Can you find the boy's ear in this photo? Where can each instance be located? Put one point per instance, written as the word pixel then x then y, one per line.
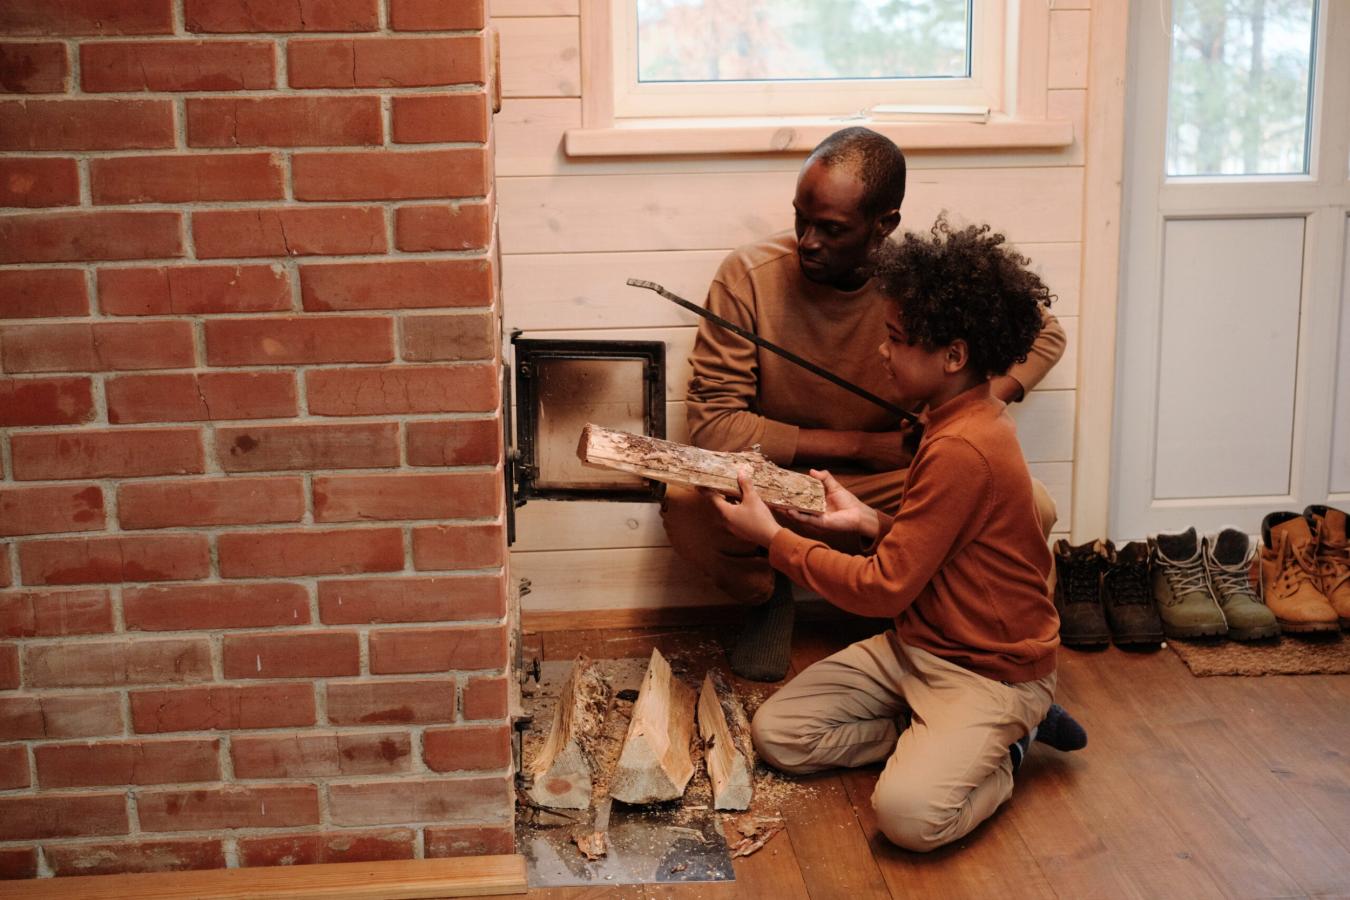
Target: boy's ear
pixel 956 357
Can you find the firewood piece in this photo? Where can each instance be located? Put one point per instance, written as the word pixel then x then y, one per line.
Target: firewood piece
pixel 655 763
pixel 726 744
pixel 681 464
pixel 562 772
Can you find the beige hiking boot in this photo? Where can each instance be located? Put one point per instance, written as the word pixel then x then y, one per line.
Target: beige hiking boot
pixel 1289 579
pixel 1332 557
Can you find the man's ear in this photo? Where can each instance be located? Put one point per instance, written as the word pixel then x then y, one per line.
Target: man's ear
pixel 886 223
pixel 956 357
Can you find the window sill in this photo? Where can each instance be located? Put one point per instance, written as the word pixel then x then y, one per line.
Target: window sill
pixel 669 137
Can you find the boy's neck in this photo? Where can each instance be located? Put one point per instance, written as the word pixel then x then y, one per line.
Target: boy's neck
pixel 952 387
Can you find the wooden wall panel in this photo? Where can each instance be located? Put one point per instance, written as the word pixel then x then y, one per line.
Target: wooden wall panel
pixel 541 57
pixel 506 8
pixel 1068 48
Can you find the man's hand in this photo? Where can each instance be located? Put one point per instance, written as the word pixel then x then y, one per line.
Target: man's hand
pixel 884 451
pixel 750 519
pixel 844 513
pixel 874 451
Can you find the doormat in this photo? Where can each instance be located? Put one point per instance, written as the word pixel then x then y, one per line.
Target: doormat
pixel 1328 655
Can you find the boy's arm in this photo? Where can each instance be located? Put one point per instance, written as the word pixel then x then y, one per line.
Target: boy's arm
pixel 948 487
pixel 1044 353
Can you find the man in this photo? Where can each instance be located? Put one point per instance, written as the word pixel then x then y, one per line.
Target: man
pixel 811 293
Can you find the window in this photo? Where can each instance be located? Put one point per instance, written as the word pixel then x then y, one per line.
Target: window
pixel 804 57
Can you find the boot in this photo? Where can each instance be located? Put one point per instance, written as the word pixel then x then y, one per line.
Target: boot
pixel 1332 557
pixel 1228 564
pixel 1082 623
pixel 1289 577
pixel 1187 607
pixel 1127 597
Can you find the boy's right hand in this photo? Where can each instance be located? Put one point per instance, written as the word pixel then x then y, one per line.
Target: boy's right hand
pixel 844 513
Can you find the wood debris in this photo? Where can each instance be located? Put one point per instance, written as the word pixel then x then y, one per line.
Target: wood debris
pixel 561 775
pixel 755 832
pixel 681 464
pixel 726 743
pixel 655 763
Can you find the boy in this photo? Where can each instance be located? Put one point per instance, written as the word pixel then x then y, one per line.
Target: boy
pixel 962 567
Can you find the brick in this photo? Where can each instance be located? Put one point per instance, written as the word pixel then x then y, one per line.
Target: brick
pixel 177 66
pixel 39 181
pixel 74 237
pixel 211 396
pixel 5 575
pixel 296 553
pixel 356 498
pixel 402 389
pixel 215 501
pixel 319 755
pixel 46 401
pixel 391 702
pixel 186 179
pixel 39 716
pixel 17 863
pixel 49 510
pixel 440 118
pixel 485 698
pixel 107 663
pixel 86 124
pixel 267 448
pixel 458 546
pixel 385 62
pixel 63 815
pixel 373 601
pixel 299 340
pixel 106 454
pixel 144 856
pixel 289 232
pixel 9 667
pixel 215 606
pixel 449 338
pixel 409 800
pixel 33 68
pixel 97 346
pixel 14 767
pixel 458 442
pixel 127 762
pixel 55 613
pixel 406 651
pixel 224 16
pixel 86 17
pixel 115 559
pixel 463 226
pixel 327 847
pixel 298 121
pixel 192 290
pixel 222 708
pixel 42 293
pixel 436 15
pixel 397 285
pixel 228 808
pixel 467 749
pixel 469 840
pixel 384 175
pixel 312 655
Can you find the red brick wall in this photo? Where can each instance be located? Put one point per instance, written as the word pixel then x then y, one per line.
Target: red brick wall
pixel 252 598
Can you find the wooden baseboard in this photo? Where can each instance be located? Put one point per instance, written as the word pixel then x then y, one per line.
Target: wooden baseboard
pixel 539 621
pixel 466 876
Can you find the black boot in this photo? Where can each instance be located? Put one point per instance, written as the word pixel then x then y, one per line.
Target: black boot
pixel 1078 594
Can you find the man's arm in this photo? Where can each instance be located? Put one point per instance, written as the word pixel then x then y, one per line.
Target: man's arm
pixel 1044 353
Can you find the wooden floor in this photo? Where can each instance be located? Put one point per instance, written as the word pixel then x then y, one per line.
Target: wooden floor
pixel 1189 788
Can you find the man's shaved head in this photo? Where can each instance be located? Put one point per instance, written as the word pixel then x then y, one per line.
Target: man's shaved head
pixel 876 161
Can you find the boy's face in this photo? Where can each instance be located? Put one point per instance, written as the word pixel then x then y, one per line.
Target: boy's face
pixel 834 237
pixel 919 373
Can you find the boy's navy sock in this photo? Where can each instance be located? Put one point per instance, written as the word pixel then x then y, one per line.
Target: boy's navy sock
pixel 1061 730
pixel 1018 750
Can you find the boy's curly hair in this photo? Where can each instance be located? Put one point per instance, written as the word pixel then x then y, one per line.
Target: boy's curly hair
pixel 967 284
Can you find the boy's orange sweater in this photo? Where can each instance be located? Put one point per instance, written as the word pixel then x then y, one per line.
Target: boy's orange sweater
pixel 963 566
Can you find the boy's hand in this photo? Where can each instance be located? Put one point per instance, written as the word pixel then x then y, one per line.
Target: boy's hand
pixel 844 513
pixel 750 519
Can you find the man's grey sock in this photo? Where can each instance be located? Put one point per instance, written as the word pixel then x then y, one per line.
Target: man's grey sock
pixel 763 650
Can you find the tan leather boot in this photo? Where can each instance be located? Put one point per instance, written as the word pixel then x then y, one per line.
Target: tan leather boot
pixel 1289 577
pixel 1332 557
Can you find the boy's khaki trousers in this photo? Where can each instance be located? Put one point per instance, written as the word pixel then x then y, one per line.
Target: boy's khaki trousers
pixel 947 769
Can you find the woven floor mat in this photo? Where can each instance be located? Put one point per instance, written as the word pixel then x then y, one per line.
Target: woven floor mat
pixel 1328 655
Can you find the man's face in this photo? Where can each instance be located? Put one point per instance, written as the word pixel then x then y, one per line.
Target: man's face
pixel 834 236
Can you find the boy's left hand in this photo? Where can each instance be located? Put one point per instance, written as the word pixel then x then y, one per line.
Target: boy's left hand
pixel 750 519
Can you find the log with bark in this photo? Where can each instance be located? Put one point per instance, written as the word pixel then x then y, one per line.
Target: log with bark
pixel 725 730
pixel 681 464
pixel 562 773
pixel 655 763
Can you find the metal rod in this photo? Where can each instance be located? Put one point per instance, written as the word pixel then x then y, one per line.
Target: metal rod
pixel 774 348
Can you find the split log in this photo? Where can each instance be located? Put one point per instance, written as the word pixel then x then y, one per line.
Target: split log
pixel 725 730
pixel 655 763
pixel 561 775
pixel 681 464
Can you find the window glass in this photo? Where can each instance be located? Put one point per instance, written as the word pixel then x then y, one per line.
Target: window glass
pixel 765 40
pixel 1240 96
